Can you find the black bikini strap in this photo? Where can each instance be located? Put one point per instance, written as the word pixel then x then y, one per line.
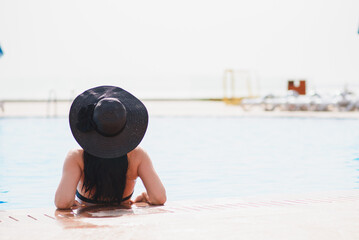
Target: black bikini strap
pixel 97 202
pixel 128 197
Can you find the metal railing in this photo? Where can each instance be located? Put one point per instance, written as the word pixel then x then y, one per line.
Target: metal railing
pixel 51 106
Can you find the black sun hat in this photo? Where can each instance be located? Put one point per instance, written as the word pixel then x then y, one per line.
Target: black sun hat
pixel 108 121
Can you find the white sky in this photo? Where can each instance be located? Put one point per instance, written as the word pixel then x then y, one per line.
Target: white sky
pixel 175 48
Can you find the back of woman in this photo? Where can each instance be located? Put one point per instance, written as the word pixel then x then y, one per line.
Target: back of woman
pixel 108 123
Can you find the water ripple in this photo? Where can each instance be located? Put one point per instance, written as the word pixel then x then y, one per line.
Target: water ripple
pixel 195 157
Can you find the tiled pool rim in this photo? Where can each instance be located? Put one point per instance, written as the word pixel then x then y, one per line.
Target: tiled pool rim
pixel 328 215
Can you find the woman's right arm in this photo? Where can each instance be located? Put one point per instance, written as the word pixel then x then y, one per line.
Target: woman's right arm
pixel 71 174
pixel 156 193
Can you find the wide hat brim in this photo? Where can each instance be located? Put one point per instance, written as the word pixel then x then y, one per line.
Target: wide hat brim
pixel 115 146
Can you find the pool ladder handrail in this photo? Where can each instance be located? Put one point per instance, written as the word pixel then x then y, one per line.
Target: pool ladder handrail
pixel 2 103
pixel 51 101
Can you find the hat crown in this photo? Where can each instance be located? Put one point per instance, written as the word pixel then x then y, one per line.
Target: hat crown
pixel 109 116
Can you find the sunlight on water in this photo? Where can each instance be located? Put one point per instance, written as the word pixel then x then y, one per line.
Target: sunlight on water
pixel 196 157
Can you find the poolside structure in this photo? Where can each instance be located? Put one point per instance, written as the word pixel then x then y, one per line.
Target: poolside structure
pixel 300 89
pixel 294 101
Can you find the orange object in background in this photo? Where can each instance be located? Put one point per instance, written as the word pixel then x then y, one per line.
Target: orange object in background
pixel 301 89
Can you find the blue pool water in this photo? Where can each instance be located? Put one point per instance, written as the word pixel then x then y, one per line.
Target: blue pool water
pixel 196 157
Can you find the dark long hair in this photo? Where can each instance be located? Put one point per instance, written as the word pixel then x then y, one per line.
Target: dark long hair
pixel 105 178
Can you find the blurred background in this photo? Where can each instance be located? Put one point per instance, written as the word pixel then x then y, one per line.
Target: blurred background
pixel 165 49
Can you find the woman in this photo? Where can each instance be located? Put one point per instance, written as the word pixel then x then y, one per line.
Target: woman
pixel 108 123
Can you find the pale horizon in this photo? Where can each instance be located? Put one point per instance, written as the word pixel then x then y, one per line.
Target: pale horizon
pixel 162 49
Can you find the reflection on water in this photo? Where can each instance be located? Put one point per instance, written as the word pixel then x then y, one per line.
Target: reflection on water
pixel 102 211
pixel 73 218
pixel 196 157
pixel 80 216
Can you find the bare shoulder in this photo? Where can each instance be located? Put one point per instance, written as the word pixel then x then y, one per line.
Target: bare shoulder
pixel 76 152
pixel 74 156
pixel 137 152
pixel 138 155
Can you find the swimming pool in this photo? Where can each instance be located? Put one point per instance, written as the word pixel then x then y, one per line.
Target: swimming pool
pixel 196 157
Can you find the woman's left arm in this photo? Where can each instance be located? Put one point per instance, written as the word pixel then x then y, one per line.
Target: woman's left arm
pixel 71 174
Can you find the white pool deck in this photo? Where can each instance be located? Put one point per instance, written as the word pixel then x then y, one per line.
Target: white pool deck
pixel 333 215
pixel 316 215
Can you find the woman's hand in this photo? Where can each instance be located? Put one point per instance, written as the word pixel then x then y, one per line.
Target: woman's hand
pixel 142 198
